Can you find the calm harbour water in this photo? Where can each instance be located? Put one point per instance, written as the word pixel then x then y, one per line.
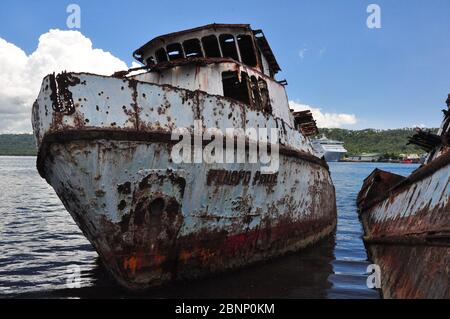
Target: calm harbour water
pixel 39 241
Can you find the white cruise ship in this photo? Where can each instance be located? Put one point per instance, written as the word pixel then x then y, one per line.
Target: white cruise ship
pixel 333 151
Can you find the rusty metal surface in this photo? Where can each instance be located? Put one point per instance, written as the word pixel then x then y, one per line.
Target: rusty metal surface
pixel 426 140
pixel 391 185
pixel 200 74
pixel 408 234
pixel 105 149
pixel 413 271
pixel 93 134
pixel 444 134
pixel 421 207
pixel 129 104
pixel 304 120
pixel 407 223
pixel 151 224
pixel 375 185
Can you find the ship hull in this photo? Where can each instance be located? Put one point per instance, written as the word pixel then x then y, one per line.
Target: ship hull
pixel 151 224
pixel 407 230
pixel 105 146
pixel 333 156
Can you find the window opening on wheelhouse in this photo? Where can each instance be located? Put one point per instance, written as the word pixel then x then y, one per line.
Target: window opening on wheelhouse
pixel 228 45
pixel 192 48
pixel 175 51
pixel 235 88
pixel 161 55
pixel 247 50
pixel 211 46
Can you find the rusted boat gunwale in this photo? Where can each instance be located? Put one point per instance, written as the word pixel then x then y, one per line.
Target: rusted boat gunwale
pixel 418 175
pixel 133 82
pixel 142 136
pixel 429 238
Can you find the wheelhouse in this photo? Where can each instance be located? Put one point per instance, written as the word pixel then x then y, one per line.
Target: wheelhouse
pixel 236 42
pixel 230 60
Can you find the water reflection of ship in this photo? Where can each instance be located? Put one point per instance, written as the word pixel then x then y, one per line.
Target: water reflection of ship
pixel 315 272
pixel 413 271
pixel 305 274
pixel 332 150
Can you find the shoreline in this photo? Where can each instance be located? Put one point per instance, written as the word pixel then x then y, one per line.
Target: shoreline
pixel 384 162
pixel 350 162
pixel 15 155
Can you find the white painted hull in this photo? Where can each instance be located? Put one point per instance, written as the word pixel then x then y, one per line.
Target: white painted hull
pixel 153 221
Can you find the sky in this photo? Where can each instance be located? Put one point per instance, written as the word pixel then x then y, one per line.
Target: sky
pixel 350 75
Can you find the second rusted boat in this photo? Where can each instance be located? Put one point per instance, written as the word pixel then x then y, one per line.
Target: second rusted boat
pixel 407 222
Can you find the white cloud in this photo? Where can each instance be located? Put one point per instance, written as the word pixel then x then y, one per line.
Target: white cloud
pixel 322 51
pixel 328 120
pixel 302 52
pixel 21 75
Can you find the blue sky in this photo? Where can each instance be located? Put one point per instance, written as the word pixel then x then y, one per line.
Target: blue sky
pixel 396 76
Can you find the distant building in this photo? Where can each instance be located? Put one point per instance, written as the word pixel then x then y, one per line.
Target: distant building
pixel 410 158
pixel 365 157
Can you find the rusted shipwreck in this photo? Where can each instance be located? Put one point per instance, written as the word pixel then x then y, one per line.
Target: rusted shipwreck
pixel 105 146
pixel 407 221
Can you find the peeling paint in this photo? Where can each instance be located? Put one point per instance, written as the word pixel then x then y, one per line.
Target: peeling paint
pixel 105 147
pixel 407 223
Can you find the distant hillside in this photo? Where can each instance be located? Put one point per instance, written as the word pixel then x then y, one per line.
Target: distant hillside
pixel 356 142
pixel 20 144
pixel 375 141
